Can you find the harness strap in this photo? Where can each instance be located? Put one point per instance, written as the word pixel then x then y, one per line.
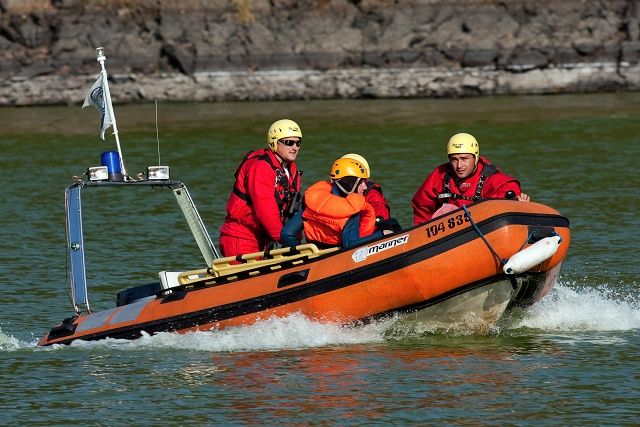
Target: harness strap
pixel 240 194
pixel 281 178
pixel 488 170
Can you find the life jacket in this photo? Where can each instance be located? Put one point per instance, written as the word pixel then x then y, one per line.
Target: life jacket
pixel 488 169
pixel 326 214
pixel 284 189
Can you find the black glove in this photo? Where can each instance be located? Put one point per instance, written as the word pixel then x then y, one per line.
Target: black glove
pixel 388 224
pixel 270 246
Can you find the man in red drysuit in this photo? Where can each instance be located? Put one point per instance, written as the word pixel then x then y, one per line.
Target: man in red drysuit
pixel 465 179
pixel 266 187
pixel 373 193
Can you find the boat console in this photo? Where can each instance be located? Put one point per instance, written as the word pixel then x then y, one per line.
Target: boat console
pixel 75 237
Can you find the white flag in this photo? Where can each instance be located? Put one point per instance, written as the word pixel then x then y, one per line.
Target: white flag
pixel 95 98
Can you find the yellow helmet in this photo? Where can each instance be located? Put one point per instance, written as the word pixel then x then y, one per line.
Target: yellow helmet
pixel 362 160
pixel 282 129
pixel 463 143
pixel 347 167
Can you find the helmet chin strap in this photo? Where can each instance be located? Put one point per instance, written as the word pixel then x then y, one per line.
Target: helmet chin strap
pixel 344 190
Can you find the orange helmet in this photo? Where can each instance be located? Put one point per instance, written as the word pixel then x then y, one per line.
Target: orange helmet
pixel 360 159
pixel 347 174
pixel 347 167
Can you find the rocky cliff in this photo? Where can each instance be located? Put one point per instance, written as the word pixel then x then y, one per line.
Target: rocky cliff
pixel 295 49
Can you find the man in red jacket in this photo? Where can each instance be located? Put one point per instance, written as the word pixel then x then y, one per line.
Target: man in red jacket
pixel 466 178
pixel 373 193
pixel 267 184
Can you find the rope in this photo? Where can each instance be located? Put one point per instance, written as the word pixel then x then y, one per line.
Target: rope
pixel 475 227
pixel 529 236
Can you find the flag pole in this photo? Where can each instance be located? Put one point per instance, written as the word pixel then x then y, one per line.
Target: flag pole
pixel 101 58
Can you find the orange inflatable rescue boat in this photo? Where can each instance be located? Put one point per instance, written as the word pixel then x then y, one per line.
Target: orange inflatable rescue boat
pixel 477 261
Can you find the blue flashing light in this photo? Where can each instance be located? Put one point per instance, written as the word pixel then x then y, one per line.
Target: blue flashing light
pixel 111 159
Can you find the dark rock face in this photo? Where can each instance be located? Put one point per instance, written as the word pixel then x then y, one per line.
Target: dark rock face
pixel 249 49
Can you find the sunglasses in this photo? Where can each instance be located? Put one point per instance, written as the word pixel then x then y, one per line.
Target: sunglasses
pixel 290 142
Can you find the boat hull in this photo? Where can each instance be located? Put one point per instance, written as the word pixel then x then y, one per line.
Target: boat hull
pixel 446 266
pixel 475 310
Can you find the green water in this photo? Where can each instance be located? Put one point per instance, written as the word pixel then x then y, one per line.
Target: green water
pixel 573 358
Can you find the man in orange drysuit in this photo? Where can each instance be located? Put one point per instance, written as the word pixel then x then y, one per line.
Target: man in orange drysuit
pixel 335 212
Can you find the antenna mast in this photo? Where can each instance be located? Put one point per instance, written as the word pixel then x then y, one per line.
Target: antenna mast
pixel 157 132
